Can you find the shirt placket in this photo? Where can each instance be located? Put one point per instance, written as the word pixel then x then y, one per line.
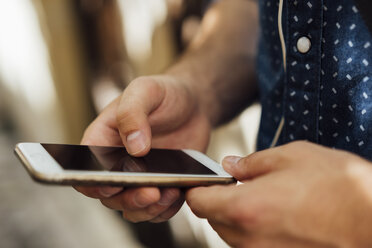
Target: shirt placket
pixel 301 97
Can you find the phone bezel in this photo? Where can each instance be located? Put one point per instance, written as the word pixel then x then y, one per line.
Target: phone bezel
pixel 43 168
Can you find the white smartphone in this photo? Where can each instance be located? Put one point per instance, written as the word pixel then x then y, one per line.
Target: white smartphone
pixel 113 166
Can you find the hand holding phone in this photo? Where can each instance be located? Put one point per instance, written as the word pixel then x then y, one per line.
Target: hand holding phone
pixel 155 111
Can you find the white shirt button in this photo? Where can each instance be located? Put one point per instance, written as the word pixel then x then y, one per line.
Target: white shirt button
pixel 303 44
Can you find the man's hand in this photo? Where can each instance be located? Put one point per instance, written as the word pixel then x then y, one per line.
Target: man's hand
pixel 157 111
pixel 213 81
pixel 297 195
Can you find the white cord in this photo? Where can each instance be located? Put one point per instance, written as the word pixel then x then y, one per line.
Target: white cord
pixel 281 36
pixel 284 53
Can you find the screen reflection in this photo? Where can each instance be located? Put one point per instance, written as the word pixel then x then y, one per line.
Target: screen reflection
pixel 96 158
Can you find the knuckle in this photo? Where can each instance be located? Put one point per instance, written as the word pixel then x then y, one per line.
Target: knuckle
pixel 171 211
pixel 154 210
pixel 147 83
pixel 141 80
pixel 299 144
pixel 127 202
pixel 257 159
pixel 251 159
pixel 297 149
pixel 128 215
pixel 137 216
pixel 127 120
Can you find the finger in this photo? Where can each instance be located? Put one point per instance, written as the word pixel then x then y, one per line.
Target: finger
pixel 169 197
pixel 98 192
pixel 89 191
pixel 103 130
pixel 237 237
pixel 139 99
pixel 254 165
pixel 133 199
pixel 107 191
pixel 230 234
pixel 170 212
pixel 137 216
pixel 211 202
pixel 281 241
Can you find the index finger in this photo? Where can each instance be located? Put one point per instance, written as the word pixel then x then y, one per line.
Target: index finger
pixel 210 202
pixel 103 130
pixel 98 192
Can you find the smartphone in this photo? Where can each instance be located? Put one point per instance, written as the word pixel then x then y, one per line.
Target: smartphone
pixel 113 166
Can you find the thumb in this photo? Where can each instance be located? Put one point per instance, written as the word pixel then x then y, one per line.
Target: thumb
pixel 139 99
pixel 251 166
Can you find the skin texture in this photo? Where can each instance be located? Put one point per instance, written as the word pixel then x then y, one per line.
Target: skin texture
pixel 178 109
pixel 297 195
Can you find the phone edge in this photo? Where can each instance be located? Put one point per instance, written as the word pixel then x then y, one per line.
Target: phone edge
pixel 117 180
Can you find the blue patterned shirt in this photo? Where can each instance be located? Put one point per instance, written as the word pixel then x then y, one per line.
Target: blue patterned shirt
pixel 325 94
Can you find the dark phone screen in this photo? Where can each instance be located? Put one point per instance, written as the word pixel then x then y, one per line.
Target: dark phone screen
pixel 98 158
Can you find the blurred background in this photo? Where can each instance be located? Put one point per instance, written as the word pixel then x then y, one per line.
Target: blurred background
pixel 61 62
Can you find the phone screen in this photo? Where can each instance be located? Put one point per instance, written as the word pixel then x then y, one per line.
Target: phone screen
pixel 97 158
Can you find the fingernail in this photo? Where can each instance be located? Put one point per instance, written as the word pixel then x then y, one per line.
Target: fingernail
pixel 109 191
pixel 231 160
pixel 167 198
pixel 136 142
